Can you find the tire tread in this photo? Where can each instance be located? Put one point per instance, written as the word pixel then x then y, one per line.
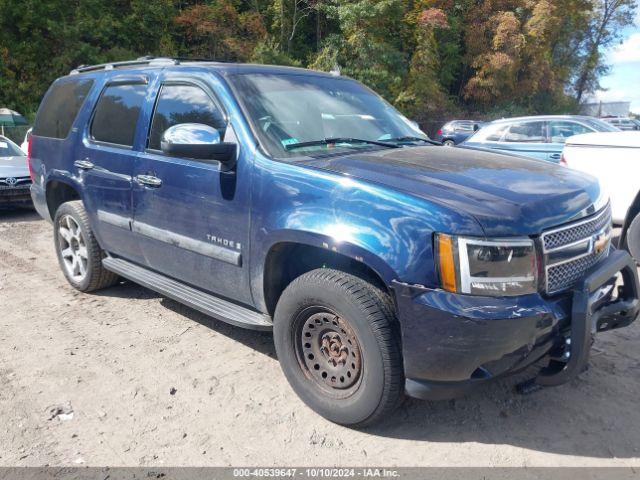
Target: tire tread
pixel 100 277
pixel 379 310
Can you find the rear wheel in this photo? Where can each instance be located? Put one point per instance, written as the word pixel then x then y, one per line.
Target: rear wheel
pixel 449 143
pixel 336 339
pixel 79 255
pixel 632 240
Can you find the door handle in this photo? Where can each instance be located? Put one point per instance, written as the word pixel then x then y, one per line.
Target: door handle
pixel 149 181
pixel 84 164
pixel 555 156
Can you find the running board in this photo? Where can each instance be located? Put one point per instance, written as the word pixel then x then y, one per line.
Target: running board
pixel 204 302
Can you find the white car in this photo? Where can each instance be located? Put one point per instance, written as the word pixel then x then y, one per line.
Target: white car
pixel 614 159
pixel 25 143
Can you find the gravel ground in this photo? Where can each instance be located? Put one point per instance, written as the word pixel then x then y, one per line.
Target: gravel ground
pixel 127 377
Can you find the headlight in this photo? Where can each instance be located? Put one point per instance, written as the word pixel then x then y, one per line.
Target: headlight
pixel 486 267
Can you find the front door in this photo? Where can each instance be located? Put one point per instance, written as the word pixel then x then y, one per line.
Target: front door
pixel 559 131
pixel 191 219
pixel 105 162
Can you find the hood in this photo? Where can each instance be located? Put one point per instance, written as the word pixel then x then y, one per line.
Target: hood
pixel 14 167
pixel 508 195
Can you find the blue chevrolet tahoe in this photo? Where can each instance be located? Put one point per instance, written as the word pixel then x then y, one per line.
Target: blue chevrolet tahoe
pixel 298 201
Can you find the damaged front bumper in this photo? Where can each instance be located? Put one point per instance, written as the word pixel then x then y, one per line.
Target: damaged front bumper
pixel 451 342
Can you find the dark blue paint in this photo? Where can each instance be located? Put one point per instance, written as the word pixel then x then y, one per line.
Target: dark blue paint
pixel 379 207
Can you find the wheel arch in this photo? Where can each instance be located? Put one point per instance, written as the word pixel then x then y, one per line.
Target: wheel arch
pixel 59 191
pixel 287 259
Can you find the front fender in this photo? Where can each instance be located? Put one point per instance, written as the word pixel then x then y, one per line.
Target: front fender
pixel 389 231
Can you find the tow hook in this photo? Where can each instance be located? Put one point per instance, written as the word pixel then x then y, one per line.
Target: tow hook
pixel 560 357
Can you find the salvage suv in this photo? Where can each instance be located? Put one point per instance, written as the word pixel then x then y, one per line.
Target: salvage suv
pixel 293 200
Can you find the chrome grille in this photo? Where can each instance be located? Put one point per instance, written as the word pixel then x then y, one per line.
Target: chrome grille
pixel 571 250
pixel 570 234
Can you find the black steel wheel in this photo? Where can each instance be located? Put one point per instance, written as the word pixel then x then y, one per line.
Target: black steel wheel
pixel 338 344
pixel 328 351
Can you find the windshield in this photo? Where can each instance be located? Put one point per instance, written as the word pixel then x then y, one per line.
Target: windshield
pixel 600 125
pixel 9 149
pixel 323 114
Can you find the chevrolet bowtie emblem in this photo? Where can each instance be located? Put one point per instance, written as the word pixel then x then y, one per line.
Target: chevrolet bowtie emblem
pixel 601 241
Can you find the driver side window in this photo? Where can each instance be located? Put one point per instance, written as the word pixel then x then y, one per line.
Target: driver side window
pixel 183 104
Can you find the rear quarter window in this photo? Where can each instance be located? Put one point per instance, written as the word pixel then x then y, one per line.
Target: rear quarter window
pixel 60 107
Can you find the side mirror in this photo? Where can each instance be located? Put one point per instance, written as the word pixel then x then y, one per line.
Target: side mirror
pixel 198 142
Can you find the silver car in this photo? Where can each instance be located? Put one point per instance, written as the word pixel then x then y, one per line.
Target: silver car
pixel 14 176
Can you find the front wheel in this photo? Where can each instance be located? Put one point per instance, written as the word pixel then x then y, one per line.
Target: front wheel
pixel 449 143
pixel 337 342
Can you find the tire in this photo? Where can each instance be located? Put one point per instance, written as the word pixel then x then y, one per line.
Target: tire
pixel 79 255
pixel 632 239
pixel 339 347
pixel 449 143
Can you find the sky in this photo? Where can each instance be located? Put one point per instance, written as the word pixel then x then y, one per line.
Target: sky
pixel 622 81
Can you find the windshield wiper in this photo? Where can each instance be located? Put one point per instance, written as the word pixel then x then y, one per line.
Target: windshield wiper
pixel 414 139
pixel 331 141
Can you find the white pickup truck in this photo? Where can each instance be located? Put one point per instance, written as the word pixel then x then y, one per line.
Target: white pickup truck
pixel 614 159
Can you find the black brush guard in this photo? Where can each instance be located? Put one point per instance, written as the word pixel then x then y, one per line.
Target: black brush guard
pixel 589 316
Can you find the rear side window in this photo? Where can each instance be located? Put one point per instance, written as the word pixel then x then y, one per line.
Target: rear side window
pixel 116 114
pixel 527 132
pixel 60 107
pixel 183 104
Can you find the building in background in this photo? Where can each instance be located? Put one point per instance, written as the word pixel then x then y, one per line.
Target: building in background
pixel 606 109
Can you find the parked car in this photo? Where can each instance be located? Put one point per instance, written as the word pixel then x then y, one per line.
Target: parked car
pixel 25 143
pixel 457 131
pixel 14 176
pixel 265 197
pixel 614 159
pixel 539 137
pixel 622 123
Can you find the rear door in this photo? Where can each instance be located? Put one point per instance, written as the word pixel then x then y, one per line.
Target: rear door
pixel 105 161
pixel 193 224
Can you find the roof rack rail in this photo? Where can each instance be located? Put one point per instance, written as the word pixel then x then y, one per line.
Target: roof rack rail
pixel 147 60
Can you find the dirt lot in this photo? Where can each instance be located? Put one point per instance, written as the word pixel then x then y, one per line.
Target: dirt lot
pixel 126 377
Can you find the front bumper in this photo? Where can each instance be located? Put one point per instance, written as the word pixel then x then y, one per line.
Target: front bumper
pixel 17 196
pixel 451 342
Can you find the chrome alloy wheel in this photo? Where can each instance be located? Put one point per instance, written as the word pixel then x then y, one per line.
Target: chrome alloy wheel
pixel 73 248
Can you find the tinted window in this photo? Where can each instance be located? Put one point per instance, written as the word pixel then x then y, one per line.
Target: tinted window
pixel 183 104
pixel 529 132
pixel 60 106
pixel 560 131
pixel 465 127
pixel 117 113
